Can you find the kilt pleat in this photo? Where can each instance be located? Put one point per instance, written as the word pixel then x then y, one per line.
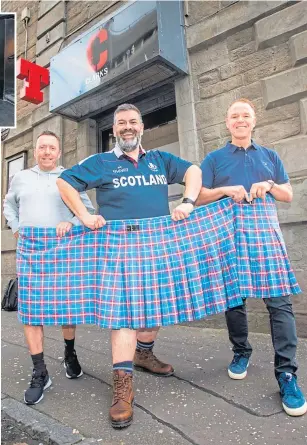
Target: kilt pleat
pixel 153 272
pixel 263 265
pixel 156 276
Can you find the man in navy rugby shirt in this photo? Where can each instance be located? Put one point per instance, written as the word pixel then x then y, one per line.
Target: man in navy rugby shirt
pixel 246 170
pixel 130 183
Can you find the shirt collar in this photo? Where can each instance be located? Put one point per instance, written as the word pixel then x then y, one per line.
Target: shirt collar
pixel 233 147
pixel 119 153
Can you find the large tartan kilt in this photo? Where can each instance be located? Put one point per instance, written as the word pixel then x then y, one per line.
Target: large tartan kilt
pixel 153 272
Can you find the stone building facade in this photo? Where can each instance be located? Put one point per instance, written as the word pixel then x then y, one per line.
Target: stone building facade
pixel 255 49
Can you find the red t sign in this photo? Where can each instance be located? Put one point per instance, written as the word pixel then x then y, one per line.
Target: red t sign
pixel 35 79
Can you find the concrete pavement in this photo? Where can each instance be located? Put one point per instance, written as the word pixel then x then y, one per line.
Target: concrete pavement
pixel 199 405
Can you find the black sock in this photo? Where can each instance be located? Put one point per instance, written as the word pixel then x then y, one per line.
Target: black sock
pixel 69 345
pixel 141 345
pixel 38 361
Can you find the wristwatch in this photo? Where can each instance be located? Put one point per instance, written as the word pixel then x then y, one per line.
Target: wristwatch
pixel 272 183
pixel 188 201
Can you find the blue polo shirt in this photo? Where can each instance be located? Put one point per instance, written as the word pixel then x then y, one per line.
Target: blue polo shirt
pixel 126 189
pixel 232 165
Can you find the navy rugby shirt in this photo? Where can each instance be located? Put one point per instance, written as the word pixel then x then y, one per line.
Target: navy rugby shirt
pixel 232 165
pixel 126 189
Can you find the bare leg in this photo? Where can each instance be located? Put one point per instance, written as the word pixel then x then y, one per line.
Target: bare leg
pixel 69 332
pixel 123 345
pixel 35 338
pixel 147 335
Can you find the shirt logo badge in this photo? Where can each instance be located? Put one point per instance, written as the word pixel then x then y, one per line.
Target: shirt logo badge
pixel 152 167
pixel 120 169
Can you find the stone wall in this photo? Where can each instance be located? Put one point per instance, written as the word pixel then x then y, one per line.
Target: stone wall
pixel 256 50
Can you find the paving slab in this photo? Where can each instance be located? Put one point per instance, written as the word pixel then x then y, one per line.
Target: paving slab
pixel 45 427
pixel 14 433
pixel 199 405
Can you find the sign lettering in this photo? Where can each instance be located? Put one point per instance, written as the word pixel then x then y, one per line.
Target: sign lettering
pixel 97 52
pixel 35 79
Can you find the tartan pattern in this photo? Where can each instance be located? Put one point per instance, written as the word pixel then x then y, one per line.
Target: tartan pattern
pixel 264 268
pixel 164 273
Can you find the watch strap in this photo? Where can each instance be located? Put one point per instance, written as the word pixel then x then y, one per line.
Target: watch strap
pixel 188 201
pixel 272 183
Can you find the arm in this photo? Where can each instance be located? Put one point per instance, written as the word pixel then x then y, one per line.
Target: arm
pixel 192 180
pixel 236 192
pixel 179 171
pixel 89 207
pixel 86 175
pixel 282 192
pixel 65 226
pixel 210 194
pixel 11 208
pixel 72 199
pixel 207 193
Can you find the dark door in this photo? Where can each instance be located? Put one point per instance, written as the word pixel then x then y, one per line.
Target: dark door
pixel 9 59
pixel 2 40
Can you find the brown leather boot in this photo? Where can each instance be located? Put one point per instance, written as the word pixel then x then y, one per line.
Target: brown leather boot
pixel 145 360
pixel 121 411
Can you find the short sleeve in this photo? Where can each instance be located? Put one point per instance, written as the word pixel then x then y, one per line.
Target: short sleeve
pixel 86 175
pixel 175 167
pixel 207 168
pixel 281 176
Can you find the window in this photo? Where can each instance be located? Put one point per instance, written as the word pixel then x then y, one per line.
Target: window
pixel 14 165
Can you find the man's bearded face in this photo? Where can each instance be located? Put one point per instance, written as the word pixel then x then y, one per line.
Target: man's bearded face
pixel 128 130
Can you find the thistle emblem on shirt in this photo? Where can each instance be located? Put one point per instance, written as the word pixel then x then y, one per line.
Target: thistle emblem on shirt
pixel 152 167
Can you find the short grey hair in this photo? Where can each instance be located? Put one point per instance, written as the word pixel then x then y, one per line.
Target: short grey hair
pixel 126 107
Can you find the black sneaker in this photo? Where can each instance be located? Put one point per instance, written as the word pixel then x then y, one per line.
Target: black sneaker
pixel 39 382
pixel 72 365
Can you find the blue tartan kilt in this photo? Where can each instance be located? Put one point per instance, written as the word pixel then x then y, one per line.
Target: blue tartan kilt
pixel 130 274
pixel 153 272
pixel 264 268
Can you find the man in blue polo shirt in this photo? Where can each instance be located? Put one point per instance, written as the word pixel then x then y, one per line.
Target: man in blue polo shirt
pixel 244 170
pixel 130 184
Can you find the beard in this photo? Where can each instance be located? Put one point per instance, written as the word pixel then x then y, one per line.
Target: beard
pixel 130 145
